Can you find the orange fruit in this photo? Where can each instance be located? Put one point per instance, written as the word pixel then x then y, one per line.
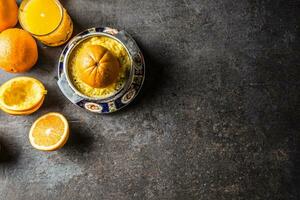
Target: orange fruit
pixel 8 14
pixel 25 112
pixel 49 132
pixel 98 67
pixel 18 50
pixel 21 94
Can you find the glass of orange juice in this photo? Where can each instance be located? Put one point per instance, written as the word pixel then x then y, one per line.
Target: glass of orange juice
pixel 46 20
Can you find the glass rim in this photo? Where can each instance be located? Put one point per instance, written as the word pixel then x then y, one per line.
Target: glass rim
pixel 21 9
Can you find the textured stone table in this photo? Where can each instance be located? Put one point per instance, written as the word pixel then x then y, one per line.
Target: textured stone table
pixel 218 117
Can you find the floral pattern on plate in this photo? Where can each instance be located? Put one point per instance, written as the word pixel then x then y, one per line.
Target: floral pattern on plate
pixel 118 102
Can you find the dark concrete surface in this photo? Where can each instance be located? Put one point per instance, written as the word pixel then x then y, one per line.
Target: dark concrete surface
pixel 218 117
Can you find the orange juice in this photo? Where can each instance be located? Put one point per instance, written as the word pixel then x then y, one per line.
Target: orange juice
pixel 46 20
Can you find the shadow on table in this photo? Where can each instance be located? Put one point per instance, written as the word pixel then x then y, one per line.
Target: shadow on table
pixel 279 65
pixel 154 82
pixel 295 158
pixel 7 154
pixel 77 28
pixel 80 139
pixel 271 100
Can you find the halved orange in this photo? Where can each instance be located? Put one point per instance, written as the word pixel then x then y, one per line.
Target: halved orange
pixel 49 132
pixel 25 112
pixel 21 94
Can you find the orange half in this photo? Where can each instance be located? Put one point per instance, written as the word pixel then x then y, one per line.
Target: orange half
pixel 49 132
pixel 25 112
pixel 21 93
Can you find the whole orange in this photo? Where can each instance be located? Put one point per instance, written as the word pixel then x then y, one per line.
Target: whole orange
pixel 8 14
pixel 18 50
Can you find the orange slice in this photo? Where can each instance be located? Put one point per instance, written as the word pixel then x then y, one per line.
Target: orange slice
pixel 25 112
pixel 49 132
pixel 21 93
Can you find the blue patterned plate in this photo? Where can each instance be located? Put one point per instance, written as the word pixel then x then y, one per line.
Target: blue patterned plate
pixel 122 97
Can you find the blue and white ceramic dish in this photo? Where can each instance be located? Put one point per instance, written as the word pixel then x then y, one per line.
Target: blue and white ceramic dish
pixel 122 97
